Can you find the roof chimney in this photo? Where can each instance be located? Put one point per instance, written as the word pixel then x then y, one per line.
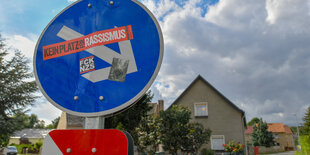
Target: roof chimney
pixel 160 105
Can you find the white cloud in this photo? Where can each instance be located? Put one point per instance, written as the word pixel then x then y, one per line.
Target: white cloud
pixel 252 51
pixel 45 110
pixel 25 44
pixel 289 15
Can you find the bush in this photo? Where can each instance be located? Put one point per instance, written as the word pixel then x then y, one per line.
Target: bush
pixel 305 143
pixel 38 145
pixel 32 148
pixel 206 152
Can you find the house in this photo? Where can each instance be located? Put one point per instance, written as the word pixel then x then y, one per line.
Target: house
pixel 29 136
pixel 213 110
pixel 282 134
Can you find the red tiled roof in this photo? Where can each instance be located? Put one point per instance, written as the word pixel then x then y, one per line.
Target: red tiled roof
pixel 249 130
pixel 276 127
pixel 288 129
pixel 272 127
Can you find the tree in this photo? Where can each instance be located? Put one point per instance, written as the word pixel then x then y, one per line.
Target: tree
pixel 130 119
pixel 148 134
pixel 40 124
pixel 16 90
pixel 253 121
pixel 306 119
pixel 261 136
pixel 196 137
pixel 22 120
pixel 54 124
pixel 174 127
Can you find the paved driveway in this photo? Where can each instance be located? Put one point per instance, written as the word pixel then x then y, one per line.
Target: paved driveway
pixel 285 153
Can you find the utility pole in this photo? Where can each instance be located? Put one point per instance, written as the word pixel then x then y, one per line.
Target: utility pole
pixel 298 133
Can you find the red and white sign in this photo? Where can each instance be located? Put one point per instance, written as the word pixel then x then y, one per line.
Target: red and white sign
pixel 86 42
pixel 87 142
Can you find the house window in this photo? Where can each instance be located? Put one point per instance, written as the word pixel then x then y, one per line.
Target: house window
pixel 276 136
pixel 201 109
pixel 217 142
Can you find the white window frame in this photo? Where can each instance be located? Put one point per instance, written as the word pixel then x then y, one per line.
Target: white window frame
pixel 201 103
pixel 217 137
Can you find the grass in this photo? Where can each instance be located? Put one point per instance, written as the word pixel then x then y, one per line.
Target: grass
pixel 305 145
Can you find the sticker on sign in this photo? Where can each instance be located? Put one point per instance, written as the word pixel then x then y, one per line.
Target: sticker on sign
pixel 83 43
pixel 87 64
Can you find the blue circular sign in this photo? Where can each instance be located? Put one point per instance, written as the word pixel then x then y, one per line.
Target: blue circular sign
pixel 98 57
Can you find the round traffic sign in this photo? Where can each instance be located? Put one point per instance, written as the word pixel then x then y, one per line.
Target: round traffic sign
pixel 96 58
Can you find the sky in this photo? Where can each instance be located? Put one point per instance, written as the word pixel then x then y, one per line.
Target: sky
pixel 255 52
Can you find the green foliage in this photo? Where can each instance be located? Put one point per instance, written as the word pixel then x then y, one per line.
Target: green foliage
pixel 148 134
pixel 120 126
pixel 16 91
pixel 32 148
pixel 196 137
pixel 6 129
pixel 207 152
pixel 54 123
pixel 38 145
pixel 174 127
pixel 23 120
pixel 253 121
pixel 306 120
pixel 131 118
pixel 40 124
pixel 305 143
pixel 261 136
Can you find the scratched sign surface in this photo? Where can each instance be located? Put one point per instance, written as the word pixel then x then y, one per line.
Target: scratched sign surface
pixel 96 58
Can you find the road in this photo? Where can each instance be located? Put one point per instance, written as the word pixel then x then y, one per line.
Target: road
pixel 285 153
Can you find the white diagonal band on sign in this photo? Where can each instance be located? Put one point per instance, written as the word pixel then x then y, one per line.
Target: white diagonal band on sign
pixel 127 53
pixel 49 147
pixel 98 75
pixel 103 53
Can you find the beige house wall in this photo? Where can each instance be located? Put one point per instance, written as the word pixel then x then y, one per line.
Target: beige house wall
pixel 62 124
pixel 68 121
pixel 14 140
pixel 248 139
pixel 222 119
pixel 285 140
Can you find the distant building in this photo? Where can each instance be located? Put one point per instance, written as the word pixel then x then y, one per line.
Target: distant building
pixel 156 107
pixel 68 121
pixel 214 111
pixel 248 133
pixel 29 136
pixel 283 136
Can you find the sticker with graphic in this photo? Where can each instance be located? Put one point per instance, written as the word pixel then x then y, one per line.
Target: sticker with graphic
pixel 118 70
pixel 87 64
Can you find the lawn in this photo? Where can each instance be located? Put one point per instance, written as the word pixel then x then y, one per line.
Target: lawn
pixel 305 145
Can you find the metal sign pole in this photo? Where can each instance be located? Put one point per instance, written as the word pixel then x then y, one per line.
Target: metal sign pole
pixel 94 122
